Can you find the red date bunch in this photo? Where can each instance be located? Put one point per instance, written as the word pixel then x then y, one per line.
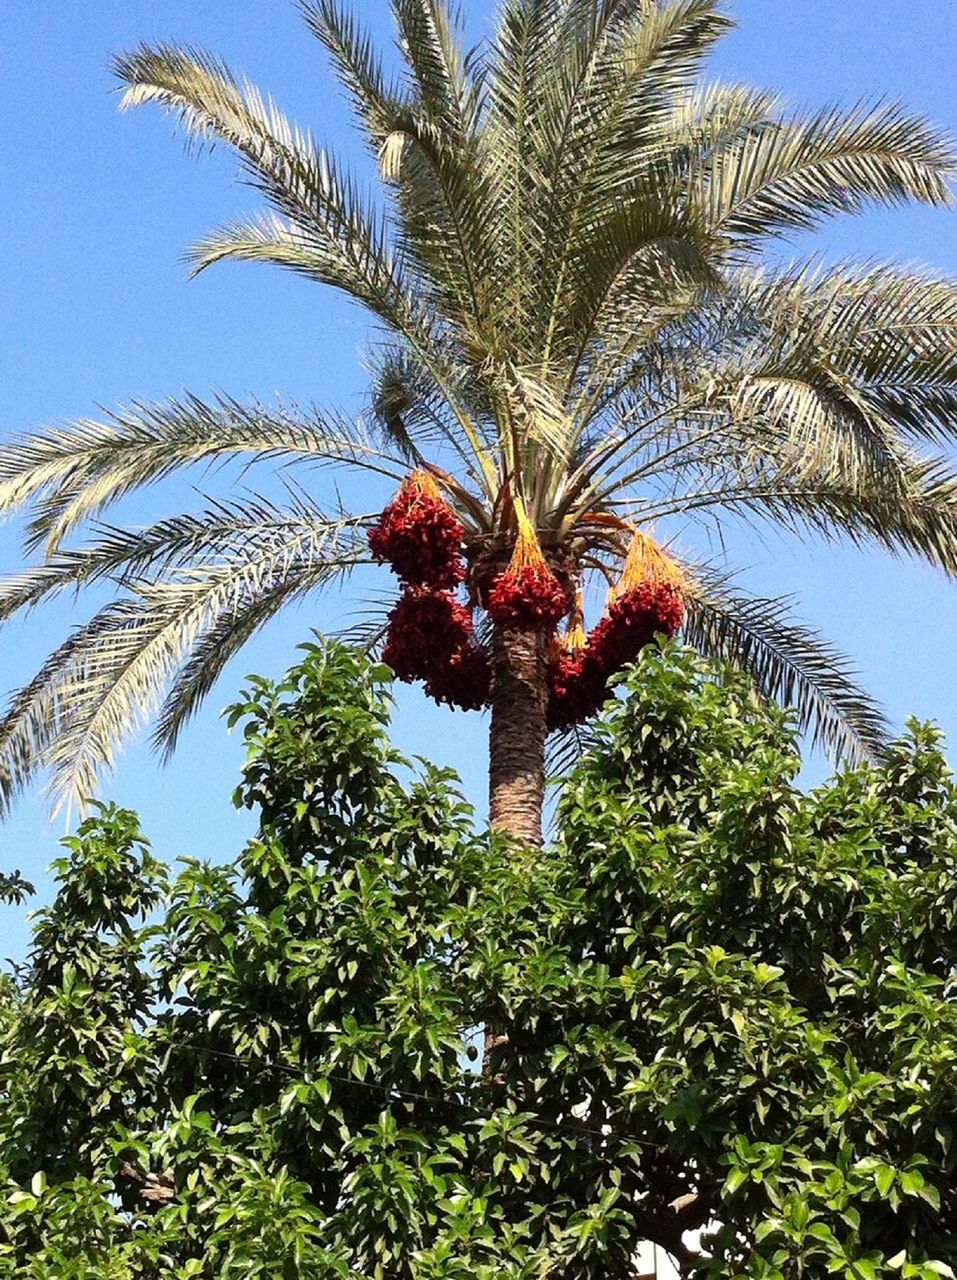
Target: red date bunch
pixel 527 595
pixel 464 681
pixel 577 687
pixel 648 601
pixel 576 680
pixel 420 536
pixel 425 629
pixel 431 638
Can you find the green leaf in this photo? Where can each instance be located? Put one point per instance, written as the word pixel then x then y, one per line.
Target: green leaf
pixel 734 1181
pixel 931 1195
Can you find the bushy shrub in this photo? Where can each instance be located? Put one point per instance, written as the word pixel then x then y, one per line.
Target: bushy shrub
pixel 385 1045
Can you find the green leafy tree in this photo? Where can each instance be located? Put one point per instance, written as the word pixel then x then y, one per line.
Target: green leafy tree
pixel 584 328
pixel 717 1014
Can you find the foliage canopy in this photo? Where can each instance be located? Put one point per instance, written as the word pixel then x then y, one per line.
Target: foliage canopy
pixel 711 999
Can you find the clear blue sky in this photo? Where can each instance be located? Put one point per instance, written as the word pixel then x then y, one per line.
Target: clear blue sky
pixel 96 210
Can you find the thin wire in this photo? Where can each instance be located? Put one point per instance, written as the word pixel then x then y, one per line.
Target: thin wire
pixel 576 1130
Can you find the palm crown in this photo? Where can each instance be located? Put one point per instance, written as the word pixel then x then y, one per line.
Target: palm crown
pixel 584 334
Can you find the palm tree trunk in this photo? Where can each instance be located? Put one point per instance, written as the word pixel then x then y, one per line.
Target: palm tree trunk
pixel 517 734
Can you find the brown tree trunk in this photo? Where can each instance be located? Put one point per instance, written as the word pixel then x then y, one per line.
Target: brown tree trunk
pixel 517 734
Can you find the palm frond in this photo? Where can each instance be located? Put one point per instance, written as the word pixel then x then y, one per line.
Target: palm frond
pixel 410 414
pixel 123 556
pixel 619 69
pixel 430 39
pixel 357 65
pixel 566 747
pixel 511 140
pixel 790 176
pixel 428 146
pixel 73 472
pixel 808 413
pixel 324 218
pixel 366 273
pixel 789 663
pixel 918 519
pixel 640 266
pixel 645 78
pixel 535 416
pixel 889 333
pixel 779 394
pixel 107 679
pixel 213 105
pixel 445 219
pixel 220 642
pixel 706 119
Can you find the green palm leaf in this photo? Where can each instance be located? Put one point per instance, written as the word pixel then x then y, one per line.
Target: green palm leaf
pixel 789 663
pixel 71 473
pixel 107 679
pixel 125 556
pixel 791 175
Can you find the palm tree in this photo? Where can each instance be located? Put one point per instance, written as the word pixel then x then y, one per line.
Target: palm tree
pixel 586 331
